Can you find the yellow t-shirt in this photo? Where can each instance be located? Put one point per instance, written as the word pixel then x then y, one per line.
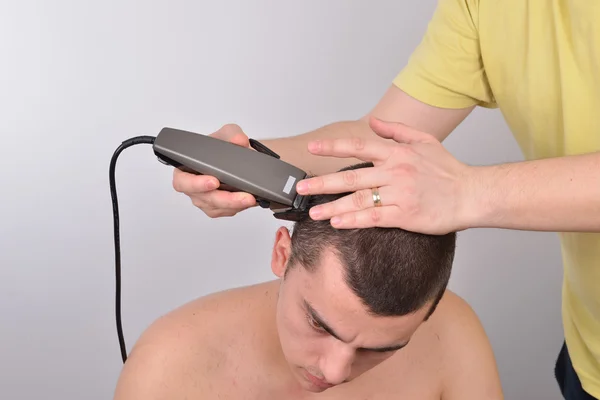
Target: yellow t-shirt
pixel 539 63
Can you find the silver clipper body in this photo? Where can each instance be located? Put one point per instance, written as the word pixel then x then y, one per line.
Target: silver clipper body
pixel 261 173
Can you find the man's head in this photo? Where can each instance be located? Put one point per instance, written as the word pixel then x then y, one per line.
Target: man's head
pixel 350 298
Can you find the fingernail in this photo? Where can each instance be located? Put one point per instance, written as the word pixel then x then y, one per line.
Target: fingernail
pixel 247 201
pixel 211 185
pixel 302 187
pixel 336 220
pixel 315 212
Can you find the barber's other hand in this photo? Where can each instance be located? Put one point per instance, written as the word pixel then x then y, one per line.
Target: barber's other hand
pixel 422 187
pixel 203 189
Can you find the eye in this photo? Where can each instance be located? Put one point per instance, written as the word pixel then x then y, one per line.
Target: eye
pixel 314 324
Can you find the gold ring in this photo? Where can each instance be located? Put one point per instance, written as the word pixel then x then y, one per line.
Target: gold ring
pixel 376 197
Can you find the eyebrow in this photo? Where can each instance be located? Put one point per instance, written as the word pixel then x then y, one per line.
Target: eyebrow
pixel 315 315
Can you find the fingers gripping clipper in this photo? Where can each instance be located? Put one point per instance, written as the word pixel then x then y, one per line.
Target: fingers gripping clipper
pixel 259 172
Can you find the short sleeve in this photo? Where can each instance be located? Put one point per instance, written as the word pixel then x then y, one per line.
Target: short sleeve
pixel 446 69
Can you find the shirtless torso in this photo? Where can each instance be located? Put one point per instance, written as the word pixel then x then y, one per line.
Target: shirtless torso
pixel 225 346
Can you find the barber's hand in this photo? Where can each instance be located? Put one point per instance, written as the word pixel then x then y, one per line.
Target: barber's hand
pixel 422 187
pixel 203 189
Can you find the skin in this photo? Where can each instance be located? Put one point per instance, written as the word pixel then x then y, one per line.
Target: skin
pixel 423 187
pixel 417 176
pixel 395 105
pixel 261 342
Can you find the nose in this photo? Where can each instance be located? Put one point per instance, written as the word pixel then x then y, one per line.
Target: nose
pixel 337 364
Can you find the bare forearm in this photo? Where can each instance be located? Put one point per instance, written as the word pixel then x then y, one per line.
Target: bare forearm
pixel 294 149
pixel 556 194
pixel 395 105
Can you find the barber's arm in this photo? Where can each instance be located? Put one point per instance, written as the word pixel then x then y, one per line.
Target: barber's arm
pixel 423 188
pixel 442 82
pixel 554 194
pixel 394 105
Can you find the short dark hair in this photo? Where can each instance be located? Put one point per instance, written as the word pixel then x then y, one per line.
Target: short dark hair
pixel 393 271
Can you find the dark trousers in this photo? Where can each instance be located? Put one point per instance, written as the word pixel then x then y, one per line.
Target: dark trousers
pixel 567 378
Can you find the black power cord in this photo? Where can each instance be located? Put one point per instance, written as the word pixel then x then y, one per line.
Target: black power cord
pixel 113 191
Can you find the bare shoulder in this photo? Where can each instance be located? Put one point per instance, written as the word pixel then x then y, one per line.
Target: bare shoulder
pixel 469 369
pixel 191 345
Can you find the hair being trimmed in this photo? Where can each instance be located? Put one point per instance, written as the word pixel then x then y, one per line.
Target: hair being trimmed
pixel 393 271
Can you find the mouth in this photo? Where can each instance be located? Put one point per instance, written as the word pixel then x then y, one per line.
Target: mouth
pixel 318 382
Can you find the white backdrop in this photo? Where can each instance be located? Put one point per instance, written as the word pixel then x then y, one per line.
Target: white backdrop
pixel 77 78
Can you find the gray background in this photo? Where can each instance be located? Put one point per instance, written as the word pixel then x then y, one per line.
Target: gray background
pixel 78 77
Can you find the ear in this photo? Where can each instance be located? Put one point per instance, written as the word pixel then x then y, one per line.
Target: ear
pixel 281 251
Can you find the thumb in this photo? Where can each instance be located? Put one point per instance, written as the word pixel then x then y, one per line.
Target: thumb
pixel 397 131
pixel 240 139
pixel 232 133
